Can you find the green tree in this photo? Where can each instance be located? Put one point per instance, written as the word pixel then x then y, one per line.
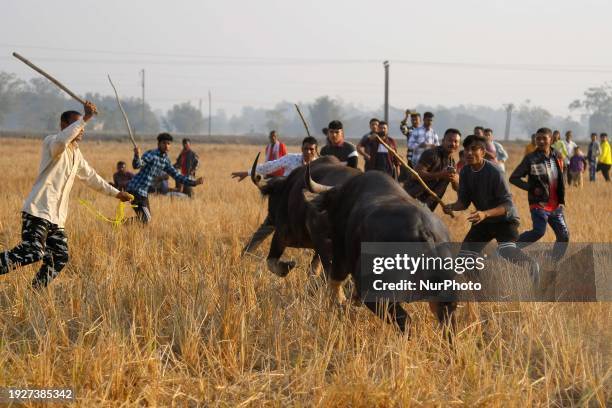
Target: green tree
pixel 533 117
pixel 185 118
pixel 597 102
pixel 322 111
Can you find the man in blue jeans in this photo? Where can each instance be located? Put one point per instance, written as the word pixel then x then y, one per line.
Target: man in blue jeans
pixel 546 193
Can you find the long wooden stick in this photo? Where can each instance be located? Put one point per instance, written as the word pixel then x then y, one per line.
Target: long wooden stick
pixel 127 122
pixel 411 170
pixel 49 77
pixel 303 120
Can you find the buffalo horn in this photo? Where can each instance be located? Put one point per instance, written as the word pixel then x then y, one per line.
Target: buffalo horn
pixel 257 179
pixel 313 186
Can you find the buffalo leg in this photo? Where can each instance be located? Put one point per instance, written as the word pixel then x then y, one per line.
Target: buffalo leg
pixel 444 312
pixel 276 266
pixel 265 229
pixel 393 313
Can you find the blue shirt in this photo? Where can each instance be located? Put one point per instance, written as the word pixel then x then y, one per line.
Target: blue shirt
pixel 152 164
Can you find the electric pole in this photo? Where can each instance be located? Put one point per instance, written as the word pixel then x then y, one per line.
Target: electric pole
pixel 209 114
pixel 509 107
pixel 386 65
pixel 142 83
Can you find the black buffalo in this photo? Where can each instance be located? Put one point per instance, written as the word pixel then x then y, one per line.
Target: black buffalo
pixel 293 222
pixel 373 207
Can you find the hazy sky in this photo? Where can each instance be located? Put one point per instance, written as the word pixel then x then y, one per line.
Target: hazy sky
pixel 261 52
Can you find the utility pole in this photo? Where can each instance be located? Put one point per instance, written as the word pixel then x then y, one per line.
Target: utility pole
pixel 209 114
pixel 142 83
pixel 386 65
pixel 509 107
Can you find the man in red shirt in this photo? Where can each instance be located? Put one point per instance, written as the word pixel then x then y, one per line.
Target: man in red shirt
pixel 274 151
pixel 186 163
pixel 546 192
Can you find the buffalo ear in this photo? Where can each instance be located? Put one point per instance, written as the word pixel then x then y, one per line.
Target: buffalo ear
pixel 315 201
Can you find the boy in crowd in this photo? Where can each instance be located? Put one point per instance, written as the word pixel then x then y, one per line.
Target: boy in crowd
pixel 423 138
pixel 545 193
pixel 593 155
pixel 122 177
pixel 482 184
pixel 500 153
pixel 415 123
pixel 377 155
pixel 361 148
pixel 604 162
pixel 577 166
pixel 274 151
pixel 343 150
pixel 186 163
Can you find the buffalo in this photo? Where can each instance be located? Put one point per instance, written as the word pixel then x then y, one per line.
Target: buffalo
pixel 372 207
pixel 293 222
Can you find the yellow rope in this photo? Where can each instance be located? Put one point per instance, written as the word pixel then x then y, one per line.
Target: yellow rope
pixel 119 212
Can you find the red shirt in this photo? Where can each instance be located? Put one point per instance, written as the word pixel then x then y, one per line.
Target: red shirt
pixel 553 198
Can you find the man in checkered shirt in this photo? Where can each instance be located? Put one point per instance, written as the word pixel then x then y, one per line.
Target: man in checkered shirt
pixel 152 164
pixel 423 138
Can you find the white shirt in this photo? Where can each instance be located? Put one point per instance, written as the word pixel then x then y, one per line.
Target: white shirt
pixel 419 136
pixel 288 162
pixel 60 163
pixel 570 146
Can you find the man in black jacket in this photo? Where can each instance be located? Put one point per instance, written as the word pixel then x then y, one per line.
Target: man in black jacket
pixel 545 192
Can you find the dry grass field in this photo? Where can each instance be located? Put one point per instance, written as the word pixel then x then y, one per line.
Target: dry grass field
pixel 170 315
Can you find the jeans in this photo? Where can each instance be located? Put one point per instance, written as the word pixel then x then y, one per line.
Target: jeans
pixel 592 169
pixel 556 220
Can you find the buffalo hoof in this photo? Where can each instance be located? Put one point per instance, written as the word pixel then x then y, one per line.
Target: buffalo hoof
pixel 280 268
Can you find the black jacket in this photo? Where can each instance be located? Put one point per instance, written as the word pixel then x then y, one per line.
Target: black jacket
pixel 538 184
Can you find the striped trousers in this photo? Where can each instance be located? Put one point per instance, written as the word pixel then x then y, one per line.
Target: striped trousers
pixel 40 240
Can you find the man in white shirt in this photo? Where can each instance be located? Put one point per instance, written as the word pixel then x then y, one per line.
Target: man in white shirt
pixel 46 207
pixel 288 162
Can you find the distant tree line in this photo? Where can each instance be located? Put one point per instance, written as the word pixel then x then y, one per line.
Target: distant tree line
pixel 34 105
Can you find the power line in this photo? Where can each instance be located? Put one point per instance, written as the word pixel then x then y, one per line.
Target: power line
pixel 194 59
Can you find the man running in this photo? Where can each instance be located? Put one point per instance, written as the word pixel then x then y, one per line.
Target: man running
pixel 482 184
pixel 546 193
pixel 46 207
pixel 153 164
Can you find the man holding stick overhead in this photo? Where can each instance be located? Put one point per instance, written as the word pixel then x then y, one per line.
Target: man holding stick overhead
pixel 46 207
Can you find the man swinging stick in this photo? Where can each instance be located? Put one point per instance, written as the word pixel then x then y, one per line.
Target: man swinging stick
pixel 46 207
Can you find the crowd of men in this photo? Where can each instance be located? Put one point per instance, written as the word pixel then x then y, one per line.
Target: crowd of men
pixel 478 177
